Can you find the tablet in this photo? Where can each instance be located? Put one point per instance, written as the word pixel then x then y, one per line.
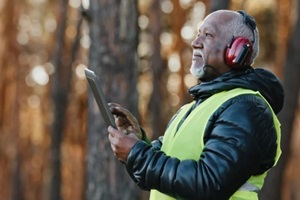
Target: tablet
pixel 99 96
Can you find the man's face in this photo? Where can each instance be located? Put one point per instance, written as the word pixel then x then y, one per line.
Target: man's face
pixel 209 47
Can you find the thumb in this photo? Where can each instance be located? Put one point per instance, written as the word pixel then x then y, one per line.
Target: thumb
pixel 112 131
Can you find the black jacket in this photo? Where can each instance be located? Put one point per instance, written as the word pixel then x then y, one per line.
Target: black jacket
pixel 240 141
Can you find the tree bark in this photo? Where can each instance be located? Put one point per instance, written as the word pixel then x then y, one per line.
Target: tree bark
pixel 158 66
pixel 59 96
pixel 114 34
pixel 179 18
pixel 10 87
pixel 284 31
pixel 274 181
pixel 215 5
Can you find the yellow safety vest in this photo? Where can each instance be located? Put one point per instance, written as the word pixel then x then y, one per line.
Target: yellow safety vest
pixel 188 143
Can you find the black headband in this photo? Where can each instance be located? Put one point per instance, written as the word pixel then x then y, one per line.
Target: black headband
pixel 249 21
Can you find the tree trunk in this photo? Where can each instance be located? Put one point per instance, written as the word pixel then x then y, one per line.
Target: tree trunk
pixel 273 185
pixel 215 5
pixel 59 96
pixel 10 87
pixel 158 66
pixel 179 18
pixel 113 33
pixel 284 31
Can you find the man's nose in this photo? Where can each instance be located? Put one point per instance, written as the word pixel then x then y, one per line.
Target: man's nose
pixel 197 42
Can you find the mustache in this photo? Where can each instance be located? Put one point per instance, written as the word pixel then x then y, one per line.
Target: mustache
pixel 197 52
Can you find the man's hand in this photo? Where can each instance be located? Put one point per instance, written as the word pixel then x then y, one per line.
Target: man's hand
pixel 125 121
pixel 121 143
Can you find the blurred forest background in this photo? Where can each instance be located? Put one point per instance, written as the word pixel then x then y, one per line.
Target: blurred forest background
pixel 53 141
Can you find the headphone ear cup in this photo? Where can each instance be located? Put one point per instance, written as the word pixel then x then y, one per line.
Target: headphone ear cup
pixel 238 53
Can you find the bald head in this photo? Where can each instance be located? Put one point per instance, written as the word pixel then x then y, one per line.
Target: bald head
pixel 223 15
pixel 231 24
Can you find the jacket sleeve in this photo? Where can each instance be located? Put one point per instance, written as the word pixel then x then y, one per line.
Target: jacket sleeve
pixel 240 142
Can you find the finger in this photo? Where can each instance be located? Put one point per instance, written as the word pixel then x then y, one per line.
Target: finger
pixel 112 107
pixel 121 123
pixel 119 111
pixel 123 112
pixel 112 131
pixel 132 135
pixel 114 104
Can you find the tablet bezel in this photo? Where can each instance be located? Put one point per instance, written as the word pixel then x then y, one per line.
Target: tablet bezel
pixel 94 84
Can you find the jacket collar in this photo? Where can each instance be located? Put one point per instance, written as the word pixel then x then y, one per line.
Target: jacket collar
pixel 254 79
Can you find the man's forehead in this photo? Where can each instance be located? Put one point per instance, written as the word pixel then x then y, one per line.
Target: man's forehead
pixel 207 26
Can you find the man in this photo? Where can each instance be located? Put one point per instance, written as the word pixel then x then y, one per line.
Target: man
pixel 222 144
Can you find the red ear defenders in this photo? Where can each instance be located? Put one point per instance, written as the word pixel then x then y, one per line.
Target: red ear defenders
pixel 239 51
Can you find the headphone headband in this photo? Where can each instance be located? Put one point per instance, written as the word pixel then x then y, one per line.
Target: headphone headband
pixel 249 21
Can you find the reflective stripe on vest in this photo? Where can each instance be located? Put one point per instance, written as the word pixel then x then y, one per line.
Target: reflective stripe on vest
pixel 192 132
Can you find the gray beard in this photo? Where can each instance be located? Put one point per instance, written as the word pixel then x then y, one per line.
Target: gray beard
pixel 198 73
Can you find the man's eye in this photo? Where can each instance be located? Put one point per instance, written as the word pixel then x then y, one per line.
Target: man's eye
pixel 208 35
